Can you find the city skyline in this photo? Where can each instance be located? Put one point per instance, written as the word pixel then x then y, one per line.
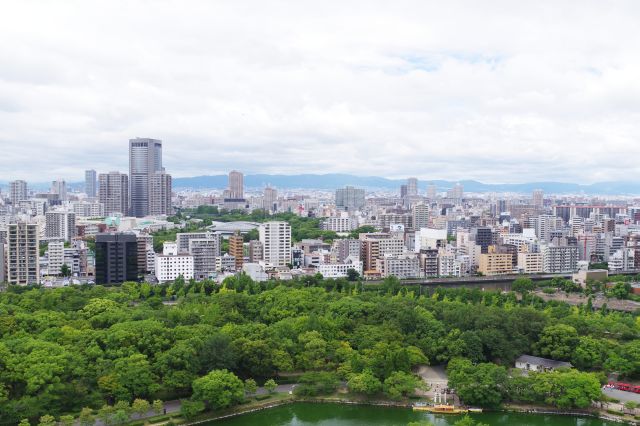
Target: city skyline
pixel 510 93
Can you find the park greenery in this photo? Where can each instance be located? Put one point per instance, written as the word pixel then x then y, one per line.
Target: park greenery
pixel 81 350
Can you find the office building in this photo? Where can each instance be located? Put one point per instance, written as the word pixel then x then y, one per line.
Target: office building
pixel 116 258
pixel 145 160
pixel 23 251
pixel 350 198
pixel 538 198
pixel 275 237
pixel 236 249
pixel 90 183
pixel 17 192
pixel 160 187
pixel 432 191
pixel 270 199
pixel 236 185
pixel 412 186
pixel 114 193
pixel 59 187
pixel 420 214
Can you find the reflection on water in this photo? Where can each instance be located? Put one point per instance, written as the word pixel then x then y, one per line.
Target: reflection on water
pixel 349 415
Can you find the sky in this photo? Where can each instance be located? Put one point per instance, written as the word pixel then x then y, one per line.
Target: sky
pixel 497 91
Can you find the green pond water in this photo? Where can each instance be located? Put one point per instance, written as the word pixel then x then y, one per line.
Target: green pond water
pixel 301 414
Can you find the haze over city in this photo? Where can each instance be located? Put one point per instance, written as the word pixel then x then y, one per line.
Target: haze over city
pixel 491 91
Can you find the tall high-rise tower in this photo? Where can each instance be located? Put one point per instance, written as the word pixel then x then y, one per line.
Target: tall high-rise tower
pixel 17 191
pixel 145 160
pixel 412 186
pixel 22 253
pixel 538 198
pixel 90 183
pixel 236 185
pixel 59 187
pixel 114 192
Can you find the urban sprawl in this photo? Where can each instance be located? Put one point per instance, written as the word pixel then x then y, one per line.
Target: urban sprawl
pixel 134 226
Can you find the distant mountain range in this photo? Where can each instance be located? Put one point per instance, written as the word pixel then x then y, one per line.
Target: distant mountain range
pixel 334 180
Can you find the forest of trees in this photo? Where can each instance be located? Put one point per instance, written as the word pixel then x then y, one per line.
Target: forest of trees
pixel 65 349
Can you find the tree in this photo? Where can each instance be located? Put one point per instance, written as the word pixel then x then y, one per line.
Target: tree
pixel 250 386
pixel 352 274
pixel 65 271
pixel 365 382
pixel 158 406
pixel 558 342
pixel 66 420
pixel 482 384
pixel 218 389
pixel 86 417
pixel 270 385
pixel 140 406
pixel 134 377
pixel 190 409
pixel 47 420
pixel 567 388
pixel 400 384
pixel 317 383
pixel 620 290
pixel 523 285
pixel 24 422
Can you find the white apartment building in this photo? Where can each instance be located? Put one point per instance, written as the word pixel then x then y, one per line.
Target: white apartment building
pixel 225 263
pixel 339 270
pixel 448 265
pixel 276 241
pixel 55 251
pixel 402 266
pixel 559 259
pixel 88 209
pixel 183 238
pixel 60 225
pixel 530 263
pixel 339 224
pixel 430 238
pixel 170 265
pixel 168 268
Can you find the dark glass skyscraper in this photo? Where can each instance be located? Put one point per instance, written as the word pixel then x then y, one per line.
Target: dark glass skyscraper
pixel 116 258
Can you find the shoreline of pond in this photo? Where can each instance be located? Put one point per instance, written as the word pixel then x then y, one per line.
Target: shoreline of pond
pixel 508 408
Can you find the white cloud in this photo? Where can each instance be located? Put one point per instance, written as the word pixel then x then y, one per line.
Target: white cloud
pixel 497 91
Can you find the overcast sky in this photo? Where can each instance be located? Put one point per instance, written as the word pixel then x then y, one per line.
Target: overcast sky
pixel 497 91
